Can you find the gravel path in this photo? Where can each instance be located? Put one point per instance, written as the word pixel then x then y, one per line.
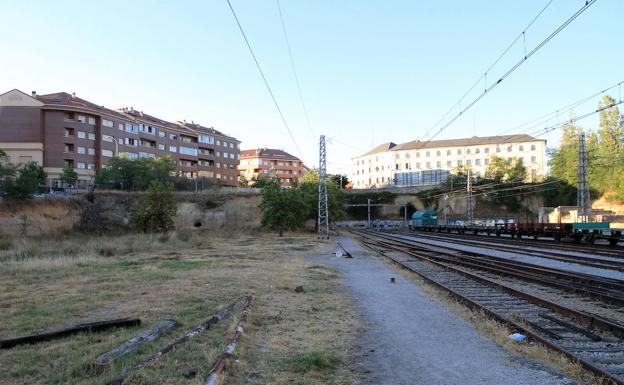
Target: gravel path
pixel 410 339
pixel 518 256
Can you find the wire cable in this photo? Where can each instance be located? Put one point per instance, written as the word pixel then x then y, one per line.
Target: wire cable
pixel 294 68
pixel 586 5
pixel 266 83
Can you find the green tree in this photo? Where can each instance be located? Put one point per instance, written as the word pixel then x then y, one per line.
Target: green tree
pixel 7 170
pixel 30 177
pixel 335 197
pixel 122 173
pixel 282 208
pixel 508 170
pixel 69 175
pixel 156 210
pixel 264 181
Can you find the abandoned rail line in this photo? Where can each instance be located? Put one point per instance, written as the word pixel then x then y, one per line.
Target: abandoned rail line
pixel 595 342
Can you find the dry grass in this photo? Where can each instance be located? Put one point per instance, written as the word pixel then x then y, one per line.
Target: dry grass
pixel 300 338
pixel 499 333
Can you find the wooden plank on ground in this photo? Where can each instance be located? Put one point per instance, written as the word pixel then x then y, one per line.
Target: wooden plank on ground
pixel 104 360
pixel 85 327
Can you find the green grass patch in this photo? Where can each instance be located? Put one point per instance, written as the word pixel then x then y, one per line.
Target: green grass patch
pixel 320 361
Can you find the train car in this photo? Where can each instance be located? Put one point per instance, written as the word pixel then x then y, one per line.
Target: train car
pixel 426 218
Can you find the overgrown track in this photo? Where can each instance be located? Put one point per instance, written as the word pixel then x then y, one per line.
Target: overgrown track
pixel 601 261
pixel 594 342
pixel 605 289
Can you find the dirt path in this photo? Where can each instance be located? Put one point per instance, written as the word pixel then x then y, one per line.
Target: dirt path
pixel 412 339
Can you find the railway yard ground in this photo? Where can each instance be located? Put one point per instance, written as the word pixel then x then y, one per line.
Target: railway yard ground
pixel 291 338
pixel 408 308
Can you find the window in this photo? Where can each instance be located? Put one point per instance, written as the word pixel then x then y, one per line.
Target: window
pixel 477 150
pixel 205 139
pixel 231 145
pixel 91 166
pixel 144 128
pixel 107 138
pixel 121 127
pixel 81 165
pixel 509 149
pixel 69 131
pixel 438 153
pixel 532 147
pixel 418 154
pixel 91 151
pixel 69 116
pixel 132 128
pixel 498 149
pixel 79 150
pixel 130 142
pixel 428 164
pixel 486 161
pixel 486 150
pixel 68 148
pixel 533 159
pixel 82 135
pixel 81 119
pixel 162 134
pixel 91 120
pixel 397 166
pixel 91 136
pixel 459 163
pixel 146 155
pixel 226 155
pixel 428 154
pixel 107 153
pixel 477 162
pixel 468 152
pixel 231 156
pixel 161 147
pixel 407 167
pixel 448 152
pixel 533 173
pixel 407 155
pixel 439 164
pixel 418 165
pixel 107 123
pixel 173 136
pixel 448 163
pixel 218 165
pixel 219 154
pixel 469 162
pixel 173 149
pixel 459 152
pixel 521 148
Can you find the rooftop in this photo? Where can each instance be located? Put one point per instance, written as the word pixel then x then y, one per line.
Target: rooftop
pixel 267 153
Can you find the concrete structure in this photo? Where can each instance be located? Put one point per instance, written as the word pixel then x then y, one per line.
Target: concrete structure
pixel 419 163
pixel 58 129
pixel 268 162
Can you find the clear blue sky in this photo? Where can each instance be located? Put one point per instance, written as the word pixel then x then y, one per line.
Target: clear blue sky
pixel 370 71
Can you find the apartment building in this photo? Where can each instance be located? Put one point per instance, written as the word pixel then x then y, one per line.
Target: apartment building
pixel 429 162
pixel 270 162
pixel 61 128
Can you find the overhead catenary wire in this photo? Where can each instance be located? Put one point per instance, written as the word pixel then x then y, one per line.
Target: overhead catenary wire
pixel 586 5
pixel 294 69
pixel 266 83
pixel 484 76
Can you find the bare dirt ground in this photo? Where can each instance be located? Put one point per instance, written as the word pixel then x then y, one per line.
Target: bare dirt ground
pixel 292 338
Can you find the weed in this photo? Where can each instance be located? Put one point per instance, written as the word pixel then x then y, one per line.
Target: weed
pixel 322 361
pixel 163 238
pixel 5 244
pixel 183 236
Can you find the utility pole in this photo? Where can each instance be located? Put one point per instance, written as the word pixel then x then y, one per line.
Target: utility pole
pixel 469 203
pixel 446 198
pixel 405 214
pixel 369 216
pixel 583 201
pixel 323 215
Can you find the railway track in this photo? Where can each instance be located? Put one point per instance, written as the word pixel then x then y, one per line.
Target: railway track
pixel 594 342
pixel 601 262
pixel 599 250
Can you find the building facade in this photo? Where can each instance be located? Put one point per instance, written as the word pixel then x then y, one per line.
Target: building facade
pixel 268 162
pixel 422 163
pixel 59 129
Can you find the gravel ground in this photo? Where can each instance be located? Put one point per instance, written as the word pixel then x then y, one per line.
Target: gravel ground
pixel 575 267
pixel 412 339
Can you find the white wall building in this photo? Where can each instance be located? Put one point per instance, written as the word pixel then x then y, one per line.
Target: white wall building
pixel 378 167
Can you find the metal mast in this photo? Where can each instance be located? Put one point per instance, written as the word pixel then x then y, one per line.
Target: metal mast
pixel 323 214
pixel 583 201
pixel 469 203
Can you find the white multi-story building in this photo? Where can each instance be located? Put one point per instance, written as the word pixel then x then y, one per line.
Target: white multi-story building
pixel 429 162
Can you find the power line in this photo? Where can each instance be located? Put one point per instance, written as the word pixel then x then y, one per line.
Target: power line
pixel 294 68
pixel 586 5
pixel 266 83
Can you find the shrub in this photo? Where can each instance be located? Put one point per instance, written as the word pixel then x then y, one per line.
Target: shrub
pixel 156 209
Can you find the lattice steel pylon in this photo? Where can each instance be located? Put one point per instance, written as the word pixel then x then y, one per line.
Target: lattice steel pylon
pixel 469 202
pixel 583 201
pixel 323 210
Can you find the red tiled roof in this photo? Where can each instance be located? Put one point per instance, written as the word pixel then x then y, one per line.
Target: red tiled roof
pixel 267 153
